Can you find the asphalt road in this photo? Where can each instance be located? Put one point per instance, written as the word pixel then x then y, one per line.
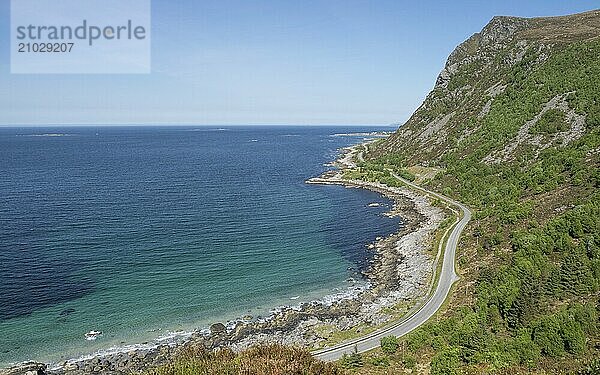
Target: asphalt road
pixel 447 277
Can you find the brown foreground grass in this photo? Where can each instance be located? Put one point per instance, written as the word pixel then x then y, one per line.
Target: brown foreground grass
pixel 258 360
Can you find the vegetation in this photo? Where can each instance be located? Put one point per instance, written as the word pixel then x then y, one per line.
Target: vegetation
pixel 379 172
pixel 593 368
pixel 529 300
pixel 353 360
pixel 389 344
pixel 259 360
pixel 552 121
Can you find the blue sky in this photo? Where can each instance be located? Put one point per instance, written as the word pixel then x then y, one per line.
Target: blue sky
pixel 268 62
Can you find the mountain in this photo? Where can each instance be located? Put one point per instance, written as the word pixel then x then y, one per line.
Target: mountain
pixel 512 129
pixel 534 65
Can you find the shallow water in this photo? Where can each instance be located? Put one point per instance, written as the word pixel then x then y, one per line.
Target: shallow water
pixel 137 232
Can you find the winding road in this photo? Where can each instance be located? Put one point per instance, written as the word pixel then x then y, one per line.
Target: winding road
pixel 446 279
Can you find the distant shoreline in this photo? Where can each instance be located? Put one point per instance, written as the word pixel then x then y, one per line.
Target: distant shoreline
pixel 399 272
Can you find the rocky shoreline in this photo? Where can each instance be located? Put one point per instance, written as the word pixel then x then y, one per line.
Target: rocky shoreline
pixel 400 272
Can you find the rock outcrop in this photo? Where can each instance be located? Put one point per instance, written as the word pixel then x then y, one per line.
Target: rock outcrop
pixel 479 72
pixel 27 368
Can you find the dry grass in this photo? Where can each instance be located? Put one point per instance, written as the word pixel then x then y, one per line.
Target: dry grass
pixel 423 174
pixel 565 29
pixel 259 360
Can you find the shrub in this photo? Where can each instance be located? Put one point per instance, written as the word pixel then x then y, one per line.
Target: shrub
pixel 524 347
pixel 380 361
pixel 592 368
pixel 406 175
pixel 552 121
pixel 418 339
pixel 266 359
pixel 409 361
pixel 389 344
pixel 547 336
pixel 353 360
pixel 445 362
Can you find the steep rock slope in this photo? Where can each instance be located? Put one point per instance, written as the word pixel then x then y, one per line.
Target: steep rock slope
pixel 509 59
pixel 512 129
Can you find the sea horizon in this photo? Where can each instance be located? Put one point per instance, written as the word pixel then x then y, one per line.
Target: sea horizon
pixel 150 232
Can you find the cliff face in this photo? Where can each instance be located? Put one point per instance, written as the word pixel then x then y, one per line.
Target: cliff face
pixel 491 69
pixel 512 128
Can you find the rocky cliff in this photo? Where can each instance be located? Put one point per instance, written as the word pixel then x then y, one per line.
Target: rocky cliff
pixel 491 68
pixel 512 129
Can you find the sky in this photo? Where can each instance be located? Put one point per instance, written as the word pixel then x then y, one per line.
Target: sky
pixel 278 62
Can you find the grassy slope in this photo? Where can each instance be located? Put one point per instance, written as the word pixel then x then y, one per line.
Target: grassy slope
pixel 528 300
pixel 260 360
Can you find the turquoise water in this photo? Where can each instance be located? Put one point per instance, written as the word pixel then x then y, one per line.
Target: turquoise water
pixel 138 232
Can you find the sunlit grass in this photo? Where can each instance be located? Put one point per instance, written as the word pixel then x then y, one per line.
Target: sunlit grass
pixel 259 360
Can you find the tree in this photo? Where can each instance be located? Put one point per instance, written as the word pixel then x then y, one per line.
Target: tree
pixel 572 335
pixel 547 335
pixel 576 275
pixel 352 360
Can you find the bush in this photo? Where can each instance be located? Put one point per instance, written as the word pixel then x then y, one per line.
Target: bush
pixel 380 361
pixel 353 360
pixel 547 336
pixel 592 368
pixel 409 361
pixel 552 121
pixel 524 347
pixel 406 175
pixel 445 362
pixel 267 359
pixel 573 336
pixel 418 339
pixel 389 344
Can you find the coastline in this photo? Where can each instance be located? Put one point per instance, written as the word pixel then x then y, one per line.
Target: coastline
pixel 399 274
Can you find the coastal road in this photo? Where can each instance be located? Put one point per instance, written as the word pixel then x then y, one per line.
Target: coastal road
pixel 446 279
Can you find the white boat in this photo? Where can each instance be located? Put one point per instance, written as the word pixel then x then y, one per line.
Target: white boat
pixel 92 335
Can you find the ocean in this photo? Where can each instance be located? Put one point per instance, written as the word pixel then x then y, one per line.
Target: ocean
pixel 146 233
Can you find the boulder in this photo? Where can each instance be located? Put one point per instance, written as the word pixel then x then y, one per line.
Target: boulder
pixel 218 328
pixel 26 368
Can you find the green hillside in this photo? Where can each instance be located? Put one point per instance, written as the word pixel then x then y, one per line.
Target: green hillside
pixel 512 129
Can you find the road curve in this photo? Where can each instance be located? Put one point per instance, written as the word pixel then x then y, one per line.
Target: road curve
pixel 447 277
